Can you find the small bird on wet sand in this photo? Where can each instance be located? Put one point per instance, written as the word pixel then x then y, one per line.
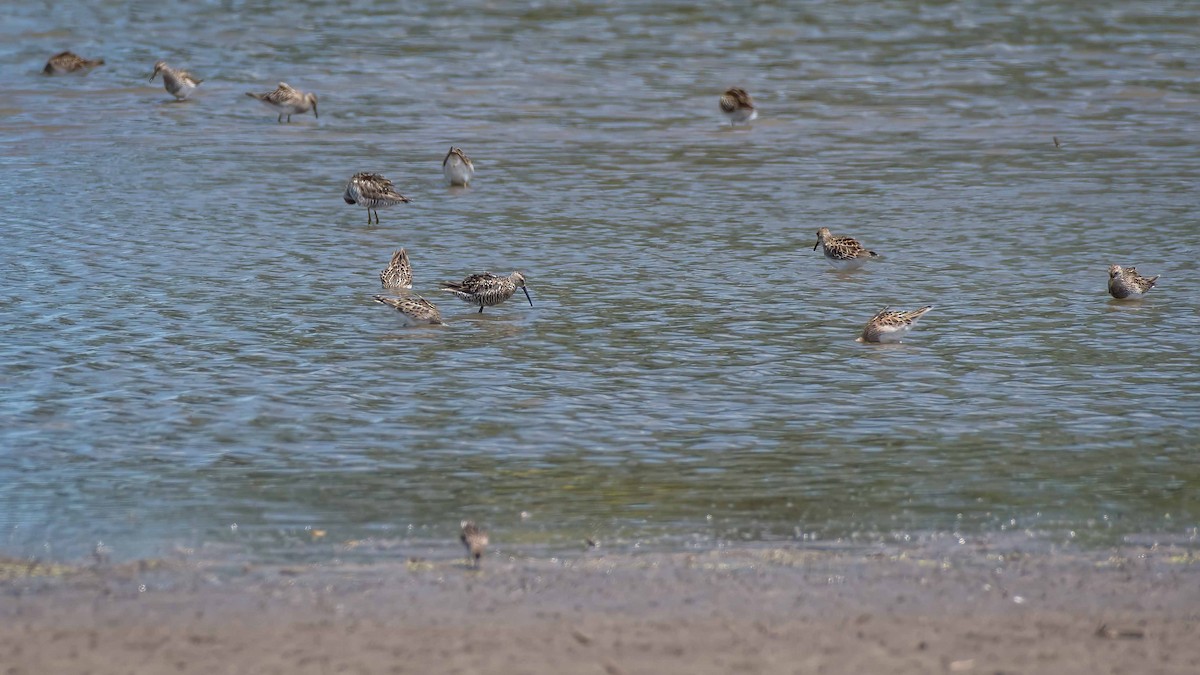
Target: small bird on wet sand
pixel 398 273
pixel 1124 283
pixel 887 326
pixel 287 100
pixel 487 289
pixel 179 83
pixel 69 62
pixel 417 311
pixel 475 540
pixel 457 167
pixel 844 253
pixel 738 106
pixel 374 192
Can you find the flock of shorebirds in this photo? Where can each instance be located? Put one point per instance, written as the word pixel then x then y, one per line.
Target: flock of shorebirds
pixel 373 191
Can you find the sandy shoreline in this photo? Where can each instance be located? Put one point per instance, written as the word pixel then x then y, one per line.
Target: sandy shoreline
pixel 749 610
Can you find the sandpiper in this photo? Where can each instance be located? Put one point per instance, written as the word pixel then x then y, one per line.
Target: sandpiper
pixel 69 62
pixel 888 326
pixel 417 311
pixel 1124 283
pixel 475 540
pixel 844 253
pixel 738 106
pixel 288 101
pixel 398 273
pixel 374 192
pixel 179 83
pixel 487 289
pixel 457 167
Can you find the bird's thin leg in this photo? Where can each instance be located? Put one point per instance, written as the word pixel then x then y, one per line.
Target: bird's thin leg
pixel 279 120
pixel 481 309
pixel 289 119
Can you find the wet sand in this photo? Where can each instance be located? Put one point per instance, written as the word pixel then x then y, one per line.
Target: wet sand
pixel 966 610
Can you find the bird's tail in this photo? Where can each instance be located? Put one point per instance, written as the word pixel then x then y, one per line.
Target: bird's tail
pixel 917 313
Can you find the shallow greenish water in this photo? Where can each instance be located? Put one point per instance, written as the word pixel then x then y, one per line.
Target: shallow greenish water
pixel 188 340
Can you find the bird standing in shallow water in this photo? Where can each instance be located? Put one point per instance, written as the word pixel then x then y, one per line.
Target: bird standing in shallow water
pixel 887 326
pixel 487 289
pixel 179 83
pixel 398 273
pixel 475 540
pixel 1124 283
pixel 288 101
pixel 374 192
pixel 457 167
pixel 417 311
pixel 69 62
pixel 844 253
pixel 738 106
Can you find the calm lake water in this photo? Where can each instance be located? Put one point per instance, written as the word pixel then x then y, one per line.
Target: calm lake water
pixel 190 355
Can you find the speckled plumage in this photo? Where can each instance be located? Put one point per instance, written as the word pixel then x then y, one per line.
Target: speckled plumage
pixel 1124 283
pixel 457 167
pixel 69 62
pixel 178 83
pixel 890 326
pixel 398 273
pixel 287 100
pixel 417 311
pixel 843 253
pixel 373 191
pixel 475 540
pixel 737 106
pixel 487 289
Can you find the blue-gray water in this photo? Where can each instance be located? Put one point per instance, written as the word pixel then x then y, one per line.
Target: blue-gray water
pixel 188 340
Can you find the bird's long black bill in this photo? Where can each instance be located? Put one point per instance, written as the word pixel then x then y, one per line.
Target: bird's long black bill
pixel 527 296
pixel 816 244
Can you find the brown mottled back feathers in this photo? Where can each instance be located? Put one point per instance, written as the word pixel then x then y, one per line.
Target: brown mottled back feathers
pixel 890 326
pixel 398 273
pixel 1125 282
pixel 415 309
pixel 69 62
pixel 735 98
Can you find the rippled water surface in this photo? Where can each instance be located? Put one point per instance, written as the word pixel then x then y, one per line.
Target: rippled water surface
pixel 188 339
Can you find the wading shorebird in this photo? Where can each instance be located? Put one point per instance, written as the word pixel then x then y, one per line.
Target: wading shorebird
pixel 844 253
pixel 457 167
pixel 887 326
pixel 372 191
pixel 179 83
pixel 1124 283
pixel 289 101
pixel 475 540
pixel 398 273
pixel 69 62
pixel 738 106
pixel 487 289
pixel 417 311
